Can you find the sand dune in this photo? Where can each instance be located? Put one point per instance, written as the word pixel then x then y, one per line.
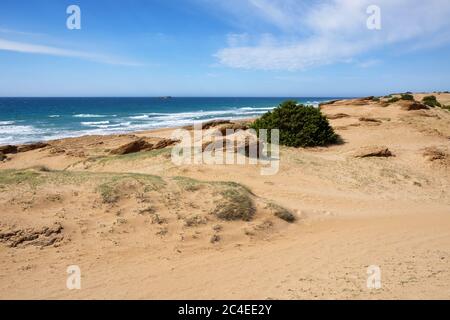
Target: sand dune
pixel 139 226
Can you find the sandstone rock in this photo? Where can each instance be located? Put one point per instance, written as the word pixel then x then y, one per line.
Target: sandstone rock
pixel 412 105
pixel 231 126
pixel 41 237
pixel 8 149
pixel 164 143
pixel 132 147
pixel 373 151
pixel 365 119
pixel 434 154
pixel 142 145
pixel 31 146
pixel 209 124
pixel 328 103
pixel 337 116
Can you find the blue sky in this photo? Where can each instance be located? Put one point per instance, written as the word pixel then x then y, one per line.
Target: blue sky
pixel 223 48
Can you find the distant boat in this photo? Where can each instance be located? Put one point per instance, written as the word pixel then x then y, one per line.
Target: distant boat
pixel 165 97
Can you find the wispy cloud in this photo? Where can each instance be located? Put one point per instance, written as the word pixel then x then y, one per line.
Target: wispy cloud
pixel 30 48
pixel 331 31
pixel 17 32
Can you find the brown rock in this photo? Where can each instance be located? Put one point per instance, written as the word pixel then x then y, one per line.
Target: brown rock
pixel 364 119
pixel 328 103
pixel 373 151
pixel 434 154
pixel 2 156
pixel 133 147
pixel 231 126
pixel 209 124
pixel 164 143
pixel 412 105
pixel 31 146
pixel 41 237
pixel 337 116
pixel 142 145
pixel 8 149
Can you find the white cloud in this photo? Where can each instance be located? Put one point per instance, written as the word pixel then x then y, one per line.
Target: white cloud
pixel 22 47
pixel 336 31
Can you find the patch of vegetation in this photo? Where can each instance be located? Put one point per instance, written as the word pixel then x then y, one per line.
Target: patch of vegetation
pixel 189 184
pixel 393 100
pixel 194 221
pixel 299 125
pixel 236 203
pixel 30 177
pixel 431 101
pixel 110 187
pixel 109 193
pixel 407 96
pixel 281 212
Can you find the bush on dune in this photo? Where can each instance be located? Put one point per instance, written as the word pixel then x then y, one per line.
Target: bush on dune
pixel 408 97
pixel 299 125
pixel 393 100
pixel 431 101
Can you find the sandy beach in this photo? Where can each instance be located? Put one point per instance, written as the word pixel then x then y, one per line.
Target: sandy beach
pixel 141 227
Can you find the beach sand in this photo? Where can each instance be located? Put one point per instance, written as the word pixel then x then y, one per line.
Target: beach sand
pixel 141 227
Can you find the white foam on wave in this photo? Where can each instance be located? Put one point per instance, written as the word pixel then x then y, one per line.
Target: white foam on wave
pixel 94 123
pixel 6 123
pixel 198 115
pixel 54 116
pixel 88 115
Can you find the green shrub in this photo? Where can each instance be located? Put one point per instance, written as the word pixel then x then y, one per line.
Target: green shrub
pixel 407 96
pixel 431 101
pixel 281 212
pixel 299 125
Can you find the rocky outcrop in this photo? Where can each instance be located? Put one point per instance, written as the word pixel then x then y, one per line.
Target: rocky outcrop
pixel 337 116
pixel 434 154
pixel 209 124
pixel 370 120
pixel 31 146
pixel 8 149
pixel 246 145
pixel 142 145
pixel 412 105
pixel 41 237
pixel 373 151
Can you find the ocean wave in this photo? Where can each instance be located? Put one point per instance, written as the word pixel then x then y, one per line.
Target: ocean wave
pixel 88 115
pixel 199 115
pixel 94 123
pixel 144 116
pixel 54 116
pixel 6 123
pixel 19 130
pixel 257 109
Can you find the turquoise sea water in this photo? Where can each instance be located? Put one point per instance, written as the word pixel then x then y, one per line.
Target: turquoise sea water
pixel 25 120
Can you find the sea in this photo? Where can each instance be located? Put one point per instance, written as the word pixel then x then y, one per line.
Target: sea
pixel 24 120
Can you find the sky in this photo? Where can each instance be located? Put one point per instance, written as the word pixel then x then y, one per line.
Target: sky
pixel 301 48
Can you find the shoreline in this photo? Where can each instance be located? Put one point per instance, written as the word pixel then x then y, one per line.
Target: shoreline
pixel 138 133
